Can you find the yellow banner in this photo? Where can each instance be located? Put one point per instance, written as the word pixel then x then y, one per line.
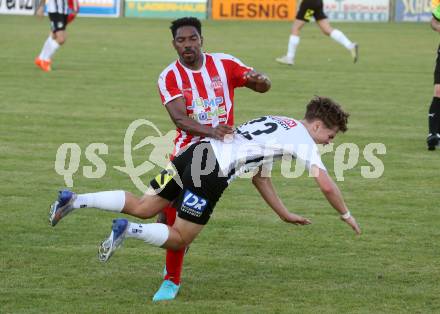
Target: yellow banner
pixel 253 9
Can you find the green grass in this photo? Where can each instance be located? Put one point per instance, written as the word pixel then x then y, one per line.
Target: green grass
pixel 246 260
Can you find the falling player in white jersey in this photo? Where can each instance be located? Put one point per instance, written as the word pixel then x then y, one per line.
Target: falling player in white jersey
pixel 61 12
pixel 198 176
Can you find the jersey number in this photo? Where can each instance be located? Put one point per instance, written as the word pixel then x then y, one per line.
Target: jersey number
pixel 271 127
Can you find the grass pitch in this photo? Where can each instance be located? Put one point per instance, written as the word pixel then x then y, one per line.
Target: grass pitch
pixel 246 260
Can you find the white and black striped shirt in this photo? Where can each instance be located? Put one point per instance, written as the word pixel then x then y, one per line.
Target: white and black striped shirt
pixel 57 6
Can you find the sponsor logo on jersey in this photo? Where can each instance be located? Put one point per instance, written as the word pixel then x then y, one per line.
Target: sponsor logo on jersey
pixel 206 103
pixel 286 123
pixel 207 116
pixel 193 204
pixel 216 83
pixel 206 109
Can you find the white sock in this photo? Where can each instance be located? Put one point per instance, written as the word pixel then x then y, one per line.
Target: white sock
pixel 45 50
pixel 339 36
pixel 291 47
pixel 49 48
pixel 154 233
pixel 113 201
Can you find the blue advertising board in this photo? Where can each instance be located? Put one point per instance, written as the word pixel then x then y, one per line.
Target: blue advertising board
pixel 97 8
pixel 413 10
pixel 357 10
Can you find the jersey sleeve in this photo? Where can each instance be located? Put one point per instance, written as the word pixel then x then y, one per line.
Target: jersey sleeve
pixel 309 155
pixel 168 88
pixel 435 7
pixel 316 160
pixel 235 70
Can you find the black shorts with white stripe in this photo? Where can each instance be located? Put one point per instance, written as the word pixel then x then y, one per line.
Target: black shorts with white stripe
pixel 194 184
pixel 58 22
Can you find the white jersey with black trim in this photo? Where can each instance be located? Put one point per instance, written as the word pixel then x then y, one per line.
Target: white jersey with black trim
pixel 263 140
pixel 57 6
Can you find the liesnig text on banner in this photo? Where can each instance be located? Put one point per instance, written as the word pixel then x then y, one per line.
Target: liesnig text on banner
pixel 253 9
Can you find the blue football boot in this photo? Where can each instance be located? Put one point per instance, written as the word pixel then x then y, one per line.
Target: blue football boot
pixel 117 236
pixel 61 207
pixel 167 291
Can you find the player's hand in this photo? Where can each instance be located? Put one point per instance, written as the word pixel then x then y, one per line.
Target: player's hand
pixel 296 219
pixel 40 11
pixel 253 76
pixel 220 131
pixel 353 224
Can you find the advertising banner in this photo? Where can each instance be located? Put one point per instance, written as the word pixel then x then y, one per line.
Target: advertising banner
pixel 357 10
pixel 253 9
pixel 99 8
pixel 19 7
pixel 413 10
pixel 166 8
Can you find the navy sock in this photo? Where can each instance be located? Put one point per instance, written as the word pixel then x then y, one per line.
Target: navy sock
pixel 434 116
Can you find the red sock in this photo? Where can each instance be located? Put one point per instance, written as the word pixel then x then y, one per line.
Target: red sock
pixel 174 260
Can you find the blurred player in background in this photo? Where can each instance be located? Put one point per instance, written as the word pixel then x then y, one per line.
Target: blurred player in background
pixel 198 92
pixel 200 173
pixel 434 110
pixel 61 13
pixel 307 10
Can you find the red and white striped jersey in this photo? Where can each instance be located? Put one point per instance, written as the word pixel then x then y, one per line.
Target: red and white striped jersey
pixel 208 92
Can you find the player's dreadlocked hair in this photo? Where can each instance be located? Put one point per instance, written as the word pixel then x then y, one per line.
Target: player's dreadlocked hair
pixel 328 111
pixel 186 21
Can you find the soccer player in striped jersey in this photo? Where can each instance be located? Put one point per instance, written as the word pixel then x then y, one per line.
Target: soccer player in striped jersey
pixel 315 9
pixel 198 175
pixel 197 90
pixel 434 110
pixel 61 12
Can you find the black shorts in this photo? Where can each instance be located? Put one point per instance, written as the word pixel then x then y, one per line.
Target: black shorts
pixel 309 8
pixel 58 22
pixel 437 68
pixel 194 183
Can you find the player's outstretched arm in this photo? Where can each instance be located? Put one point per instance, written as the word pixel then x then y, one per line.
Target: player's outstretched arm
pixel 334 197
pixel 267 191
pixel 75 7
pixel 40 10
pixel 257 81
pixel 177 111
pixel 435 25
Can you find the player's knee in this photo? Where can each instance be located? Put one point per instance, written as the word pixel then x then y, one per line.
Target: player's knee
pixel 178 240
pixel 177 245
pixel 326 31
pixel 325 28
pixel 437 90
pixel 60 38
